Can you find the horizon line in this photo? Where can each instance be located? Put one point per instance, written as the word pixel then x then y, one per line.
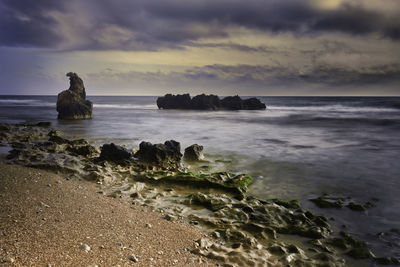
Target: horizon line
pixel 1 95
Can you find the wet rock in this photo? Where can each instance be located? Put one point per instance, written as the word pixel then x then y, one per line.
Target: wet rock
pixel 293 204
pixel 205 102
pixel 54 133
pixel 227 182
pixel 212 202
pixel 194 153
pixel 352 241
pixel 170 101
pixel 360 253
pixel 85 150
pixel 253 104
pixel 43 124
pixel 167 155
pixel 356 207
pixel 72 103
pixel 112 152
pixel 208 102
pixel 232 103
pixel 58 140
pixel 383 261
pixel 277 250
pixel 325 202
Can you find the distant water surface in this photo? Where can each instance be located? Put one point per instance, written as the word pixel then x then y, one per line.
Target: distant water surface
pixel 298 148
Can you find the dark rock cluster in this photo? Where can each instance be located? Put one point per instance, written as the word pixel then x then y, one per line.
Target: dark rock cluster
pixel 194 153
pixel 167 155
pixel 208 102
pixel 72 103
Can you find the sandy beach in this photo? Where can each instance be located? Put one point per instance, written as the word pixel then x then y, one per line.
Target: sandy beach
pixel 46 220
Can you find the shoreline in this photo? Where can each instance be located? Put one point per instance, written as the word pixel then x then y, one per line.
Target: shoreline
pixel 46 219
pixel 244 230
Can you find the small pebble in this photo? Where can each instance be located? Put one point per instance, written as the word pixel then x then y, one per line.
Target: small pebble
pixel 84 247
pixel 133 258
pixel 43 205
pixel 148 225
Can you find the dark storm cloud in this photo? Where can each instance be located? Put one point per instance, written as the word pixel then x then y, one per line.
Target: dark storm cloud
pixel 25 23
pixel 171 23
pixel 245 75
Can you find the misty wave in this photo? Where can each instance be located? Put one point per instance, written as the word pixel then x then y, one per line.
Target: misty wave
pixel 125 106
pixel 332 108
pixel 18 101
pixel 26 102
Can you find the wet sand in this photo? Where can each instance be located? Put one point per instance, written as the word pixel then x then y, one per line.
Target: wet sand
pixel 46 220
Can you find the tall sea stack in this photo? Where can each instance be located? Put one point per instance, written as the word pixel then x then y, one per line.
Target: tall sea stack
pixel 72 103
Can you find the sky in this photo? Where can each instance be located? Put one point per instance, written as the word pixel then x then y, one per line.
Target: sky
pixel 224 47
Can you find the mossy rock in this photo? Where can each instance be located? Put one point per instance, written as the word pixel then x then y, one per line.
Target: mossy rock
pixel 227 182
pixel 323 202
pixel 292 204
pixel 356 207
pixel 352 241
pixel 360 253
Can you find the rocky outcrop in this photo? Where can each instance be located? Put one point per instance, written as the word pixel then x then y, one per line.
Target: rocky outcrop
pixel 112 152
pixel 174 101
pixel 205 102
pixel 72 103
pixel 167 155
pixel 253 104
pixel 208 102
pixel 194 153
pixel 232 103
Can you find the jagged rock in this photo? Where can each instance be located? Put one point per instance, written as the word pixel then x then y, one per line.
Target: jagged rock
pixel 72 103
pixel 253 104
pixel 167 155
pixel 174 101
pixel 208 102
pixel 112 152
pixel 194 153
pixel 232 103
pixel 205 102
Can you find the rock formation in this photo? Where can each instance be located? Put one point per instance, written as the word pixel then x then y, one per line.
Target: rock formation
pixel 112 152
pixel 194 153
pixel 72 103
pixel 167 155
pixel 208 102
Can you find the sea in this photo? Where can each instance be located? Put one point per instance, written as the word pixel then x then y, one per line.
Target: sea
pixel 298 148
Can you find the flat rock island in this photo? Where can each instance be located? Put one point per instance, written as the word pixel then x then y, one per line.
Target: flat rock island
pixel 208 102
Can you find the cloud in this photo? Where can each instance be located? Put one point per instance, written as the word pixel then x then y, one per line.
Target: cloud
pixel 153 25
pixel 248 75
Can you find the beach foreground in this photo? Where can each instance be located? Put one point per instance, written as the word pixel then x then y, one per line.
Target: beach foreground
pixel 46 220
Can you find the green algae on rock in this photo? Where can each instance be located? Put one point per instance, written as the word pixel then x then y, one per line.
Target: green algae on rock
pixel 248 231
pixel 228 182
pixel 327 202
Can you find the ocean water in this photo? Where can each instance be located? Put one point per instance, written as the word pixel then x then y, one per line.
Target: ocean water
pixel 298 148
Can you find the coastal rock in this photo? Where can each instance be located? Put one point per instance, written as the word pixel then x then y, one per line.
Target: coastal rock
pixel 208 102
pixel 232 103
pixel 112 152
pixel 167 155
pixel 205 102
pixel 72 103
pixel 170 101
pixel 194 153
pixel 253 104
